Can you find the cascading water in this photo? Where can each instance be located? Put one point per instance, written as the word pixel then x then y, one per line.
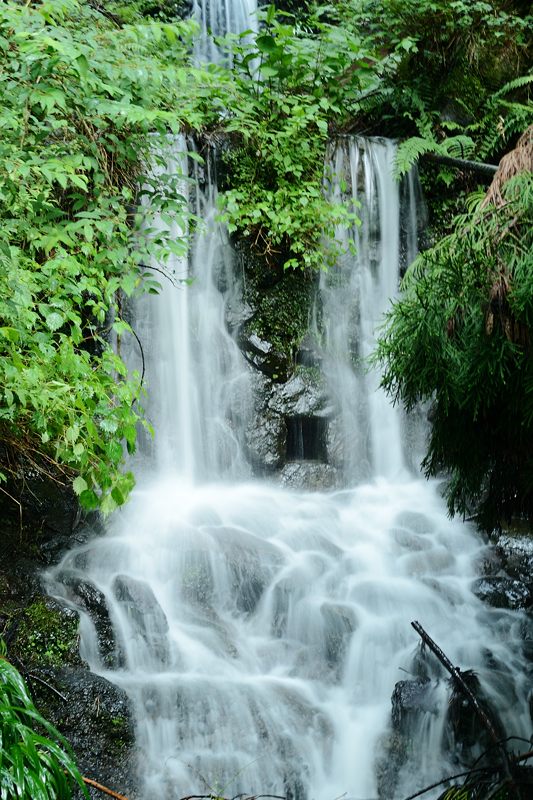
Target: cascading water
pixel 260 631
pixel 218 17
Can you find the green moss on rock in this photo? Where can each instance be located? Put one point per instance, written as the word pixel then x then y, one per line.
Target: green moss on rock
pixel 282 311
pixel 47 635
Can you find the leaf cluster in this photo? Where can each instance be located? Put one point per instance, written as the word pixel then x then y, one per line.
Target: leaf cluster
pixel 288 90
pixel 32 764
pixel 457 78
pixel 80 99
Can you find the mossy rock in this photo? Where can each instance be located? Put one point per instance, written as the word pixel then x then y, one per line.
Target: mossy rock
pixel 47 635
pixel 282 311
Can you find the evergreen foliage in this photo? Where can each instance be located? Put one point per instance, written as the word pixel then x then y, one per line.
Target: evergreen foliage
pixel 460 336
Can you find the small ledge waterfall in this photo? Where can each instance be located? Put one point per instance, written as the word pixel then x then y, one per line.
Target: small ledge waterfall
pixel 259 631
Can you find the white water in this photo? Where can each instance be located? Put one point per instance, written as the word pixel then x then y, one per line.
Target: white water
pixel 263 629
pixel 218 17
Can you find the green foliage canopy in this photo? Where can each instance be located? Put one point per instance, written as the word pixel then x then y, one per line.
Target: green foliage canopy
pixel 79 99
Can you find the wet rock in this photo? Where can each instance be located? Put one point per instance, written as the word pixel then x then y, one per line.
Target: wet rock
pixel 309 475
pixel 335 444
pixel 516 553
pixel 339 625
pixel 303 395
pixel 503 592
pixel 411 700
pixel 237 314
pixel 464 733
pixel 266 438
pixel 95 717
pixel 265 357
pixel 144 611
pixel 308 355
pixel 87 596
pixel 44 634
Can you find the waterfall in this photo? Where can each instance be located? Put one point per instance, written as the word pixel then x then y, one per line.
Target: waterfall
pixel 218 17
pixel 355 296
pixel 259 631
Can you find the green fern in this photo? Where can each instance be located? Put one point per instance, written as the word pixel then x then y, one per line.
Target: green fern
pixel 409 152
pixel 411 149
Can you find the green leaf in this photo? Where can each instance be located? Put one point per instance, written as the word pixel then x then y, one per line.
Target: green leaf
pixel 79 485
pixel 12 334
pixel 54 321
pixel 266 44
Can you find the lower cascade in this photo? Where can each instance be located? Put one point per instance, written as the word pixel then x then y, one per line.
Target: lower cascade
pixel 260 630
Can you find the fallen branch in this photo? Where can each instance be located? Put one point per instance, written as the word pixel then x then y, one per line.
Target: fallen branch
pixel 462 163
pixel 460 683
pixel 104 789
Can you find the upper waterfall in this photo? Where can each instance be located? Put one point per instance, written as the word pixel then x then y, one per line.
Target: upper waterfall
pixel 196 376
pixel 355 296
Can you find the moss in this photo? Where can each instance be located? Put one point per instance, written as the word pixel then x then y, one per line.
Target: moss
pixel 47 636
pixel 282 311
pixel 117 730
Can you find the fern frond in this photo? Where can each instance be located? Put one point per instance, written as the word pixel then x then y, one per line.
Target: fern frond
pixel 455 793
pixel 461 146
pixel 516 83
pixel 409 152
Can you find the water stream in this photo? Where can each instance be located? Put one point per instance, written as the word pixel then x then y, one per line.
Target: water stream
pixel 261 631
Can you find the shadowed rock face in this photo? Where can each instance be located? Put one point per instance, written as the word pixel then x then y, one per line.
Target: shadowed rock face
pixel 95 718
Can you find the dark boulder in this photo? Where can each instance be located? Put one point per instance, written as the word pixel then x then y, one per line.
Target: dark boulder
pixel 86 595
pixel 503 592
pixel 95 717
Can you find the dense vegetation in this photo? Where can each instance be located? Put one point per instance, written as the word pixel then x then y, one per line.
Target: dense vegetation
pixel 79 99
pixel 83 88
pixel 460 336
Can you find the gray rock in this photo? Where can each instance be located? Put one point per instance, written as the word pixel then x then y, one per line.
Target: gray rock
pixel 86 595
pixel 264 357
pixel 266 437
pixel 237 314
pixel 339 625
pixel 302 396
pixel 516 552
pixel 309 475
pixel 335 444
pixel 144 611
pixel 411 700
pixel 503 592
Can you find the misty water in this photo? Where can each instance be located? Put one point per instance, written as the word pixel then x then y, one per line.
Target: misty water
pixel 262 630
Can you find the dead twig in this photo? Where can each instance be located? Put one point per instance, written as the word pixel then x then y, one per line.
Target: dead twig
pixel 102 788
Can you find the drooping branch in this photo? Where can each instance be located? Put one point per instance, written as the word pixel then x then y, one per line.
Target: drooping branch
pixel 101 788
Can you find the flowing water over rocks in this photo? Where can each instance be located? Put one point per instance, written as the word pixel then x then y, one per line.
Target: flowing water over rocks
pixel 259 630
